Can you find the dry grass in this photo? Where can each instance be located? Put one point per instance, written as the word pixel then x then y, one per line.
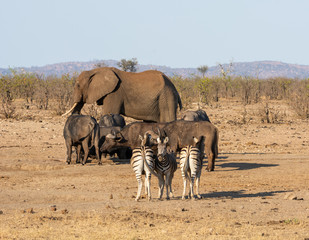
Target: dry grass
pixel 261 168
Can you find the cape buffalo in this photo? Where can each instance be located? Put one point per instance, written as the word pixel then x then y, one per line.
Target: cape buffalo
pixel 181 134
pixel 198 115
pixel 112 120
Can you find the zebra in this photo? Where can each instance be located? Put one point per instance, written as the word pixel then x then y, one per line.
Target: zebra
pixel 141 156
pixel 191 163
pixel 165 166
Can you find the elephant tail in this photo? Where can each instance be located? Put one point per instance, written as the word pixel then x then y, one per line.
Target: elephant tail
pixel 179 102
pixel 216 150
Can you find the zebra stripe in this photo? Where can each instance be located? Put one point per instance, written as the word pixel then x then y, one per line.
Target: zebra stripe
pixel 166 168
pixel 191 165
pixel 138 165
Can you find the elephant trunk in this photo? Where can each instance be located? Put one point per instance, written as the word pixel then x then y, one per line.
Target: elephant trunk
pixel 75 109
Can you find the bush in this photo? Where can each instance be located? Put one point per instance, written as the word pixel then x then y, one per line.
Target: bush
pixel 299 98
pixel 7 97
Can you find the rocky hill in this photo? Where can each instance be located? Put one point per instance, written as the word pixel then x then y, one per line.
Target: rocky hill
pixel 261 69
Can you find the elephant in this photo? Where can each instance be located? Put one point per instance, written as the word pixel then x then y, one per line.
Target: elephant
pixel 148 96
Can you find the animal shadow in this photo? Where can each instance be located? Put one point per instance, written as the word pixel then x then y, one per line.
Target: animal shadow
pixel 244 166
pixel 240 194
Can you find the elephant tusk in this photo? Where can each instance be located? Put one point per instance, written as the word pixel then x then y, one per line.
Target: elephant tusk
pixel 69 110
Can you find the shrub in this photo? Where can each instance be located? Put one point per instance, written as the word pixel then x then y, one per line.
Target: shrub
pixel 7 97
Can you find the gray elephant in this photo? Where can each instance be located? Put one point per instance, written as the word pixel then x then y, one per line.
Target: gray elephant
pixel 148 96
pixel 81 131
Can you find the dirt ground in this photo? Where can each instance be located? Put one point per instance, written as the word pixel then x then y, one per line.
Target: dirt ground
pixel 259 189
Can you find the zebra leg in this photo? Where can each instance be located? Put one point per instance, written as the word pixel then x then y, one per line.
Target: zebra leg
pixel 146 185
pixel 167 184
pixel 170 184
pixel 161 186
pixel 198 184
pixel 189 180
pixel 191 187
pixel 139 189
pixel 148 193
pixel 184 184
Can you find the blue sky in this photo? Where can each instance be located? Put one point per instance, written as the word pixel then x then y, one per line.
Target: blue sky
pixel 161 32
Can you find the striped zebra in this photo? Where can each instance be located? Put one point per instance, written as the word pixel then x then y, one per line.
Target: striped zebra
pixel 165 166
pixel 191 163
pixel 141 156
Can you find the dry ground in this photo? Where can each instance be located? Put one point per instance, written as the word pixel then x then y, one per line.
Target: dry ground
pixel 259 189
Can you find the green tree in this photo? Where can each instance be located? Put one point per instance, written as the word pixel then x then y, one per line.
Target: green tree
pixel 62 92
pixel 26 84
pixel 203 69
pixel 204 86
pixel 7 108
pixel 100 64
pixel 44 91
pixel 128 65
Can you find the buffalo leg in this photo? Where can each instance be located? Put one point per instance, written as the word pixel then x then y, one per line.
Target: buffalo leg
pixel 210 158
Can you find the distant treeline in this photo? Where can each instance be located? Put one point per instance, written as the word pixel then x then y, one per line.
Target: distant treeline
pixel 40 90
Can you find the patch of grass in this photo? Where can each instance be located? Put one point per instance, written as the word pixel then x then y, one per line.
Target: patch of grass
pixel 293 221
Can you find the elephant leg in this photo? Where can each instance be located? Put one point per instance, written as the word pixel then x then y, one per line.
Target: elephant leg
pixel 167 106
pixel 113 103
pixel 95 138
pixel 69 151
pixel 97 152
pixel 86 150
pixel 78 149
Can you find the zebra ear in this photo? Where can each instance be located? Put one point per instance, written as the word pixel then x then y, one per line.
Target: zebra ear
pixel 195 140
pixel 166 140
pixel 158 140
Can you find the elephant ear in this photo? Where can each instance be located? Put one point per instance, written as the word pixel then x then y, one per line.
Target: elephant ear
pixel 101 83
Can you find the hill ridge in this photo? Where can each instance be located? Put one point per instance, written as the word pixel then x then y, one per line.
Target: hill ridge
pixel 260 69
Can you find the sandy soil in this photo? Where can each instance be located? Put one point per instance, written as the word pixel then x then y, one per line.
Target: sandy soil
pixel 259 189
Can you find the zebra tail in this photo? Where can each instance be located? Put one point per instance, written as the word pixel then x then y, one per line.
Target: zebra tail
pixel 185 165
pixel 146 164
